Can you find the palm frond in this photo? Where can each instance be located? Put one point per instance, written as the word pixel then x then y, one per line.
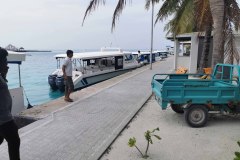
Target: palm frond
pixel 233 12
pixel 118 10
pixel 203 14
pixel 92 6
pixel 149 2
pixel 183 19
pixel 231 52
pixel 168 8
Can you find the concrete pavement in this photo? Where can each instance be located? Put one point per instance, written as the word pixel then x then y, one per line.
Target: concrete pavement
pixel 83 130
pixel 216 141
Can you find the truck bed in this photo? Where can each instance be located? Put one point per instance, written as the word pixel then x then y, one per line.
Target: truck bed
pixel 178 89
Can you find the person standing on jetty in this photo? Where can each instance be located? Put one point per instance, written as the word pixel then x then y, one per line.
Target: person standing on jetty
pixel 8 127
pixel 67 74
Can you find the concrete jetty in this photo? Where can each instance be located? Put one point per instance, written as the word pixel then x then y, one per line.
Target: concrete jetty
pixel 84 129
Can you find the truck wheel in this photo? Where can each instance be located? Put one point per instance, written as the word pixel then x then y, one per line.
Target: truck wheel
pixel 177 108
pixel 196 115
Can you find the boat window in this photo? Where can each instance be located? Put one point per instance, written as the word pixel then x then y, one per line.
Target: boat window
pixel 145 57
pixel 128 57
pixel 135 56
pixel 108 62
pixel 92 61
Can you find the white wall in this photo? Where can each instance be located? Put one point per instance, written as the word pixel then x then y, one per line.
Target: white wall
pixel 194 53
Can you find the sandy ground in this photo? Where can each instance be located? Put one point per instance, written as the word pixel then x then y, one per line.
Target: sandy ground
pixel 216 141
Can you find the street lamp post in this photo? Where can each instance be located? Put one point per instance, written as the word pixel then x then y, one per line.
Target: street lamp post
pixel 152 35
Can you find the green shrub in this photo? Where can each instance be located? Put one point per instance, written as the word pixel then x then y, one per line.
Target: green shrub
pixel 148 136
pixel 237 154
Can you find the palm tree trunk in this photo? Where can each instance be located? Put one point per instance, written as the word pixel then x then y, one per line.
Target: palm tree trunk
pixel 206 48
pixel 217 9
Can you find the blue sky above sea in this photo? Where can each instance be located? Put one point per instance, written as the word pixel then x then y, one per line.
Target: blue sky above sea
pixel 57 25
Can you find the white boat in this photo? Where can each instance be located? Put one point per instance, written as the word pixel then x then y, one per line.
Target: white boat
pixel 144 57
pixel 93 67
pixel 160 54
pixel 17 93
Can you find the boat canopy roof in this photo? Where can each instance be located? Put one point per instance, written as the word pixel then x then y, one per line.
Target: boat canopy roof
pixel 16 57
pixel 148 52
pixel 91 55
pixel 141 52
pixel 160 51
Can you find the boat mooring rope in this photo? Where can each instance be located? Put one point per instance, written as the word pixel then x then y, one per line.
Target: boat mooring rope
pixel 29 105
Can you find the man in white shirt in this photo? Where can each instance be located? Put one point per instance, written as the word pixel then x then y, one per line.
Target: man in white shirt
pixel 67 74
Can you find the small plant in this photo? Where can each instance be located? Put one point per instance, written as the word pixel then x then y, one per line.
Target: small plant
pixel 237 154
pixel 148 136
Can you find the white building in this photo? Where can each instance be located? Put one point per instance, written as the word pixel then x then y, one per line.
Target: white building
pixel 185 59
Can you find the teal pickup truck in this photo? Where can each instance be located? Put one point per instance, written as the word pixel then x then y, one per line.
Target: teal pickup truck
pixel 197 97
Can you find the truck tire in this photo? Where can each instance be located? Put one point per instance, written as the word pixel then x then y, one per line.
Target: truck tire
pixel 177 108
pixel 196 115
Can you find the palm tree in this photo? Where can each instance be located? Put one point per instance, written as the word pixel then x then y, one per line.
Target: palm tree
pixel 118 10
pixel 217 10
pixel 182 12
pixel 232 20
pixel 195 15
pixel 189 16
pixel 204 22
pixel 185 20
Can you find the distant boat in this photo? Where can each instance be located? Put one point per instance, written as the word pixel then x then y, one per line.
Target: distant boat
pixel 13 48
pixel 93 67
pixel 144 56
pixel 159 55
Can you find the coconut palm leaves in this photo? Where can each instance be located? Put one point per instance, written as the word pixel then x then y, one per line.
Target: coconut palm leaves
pixel 232 20
pixel 194 15
pixel 183 16
pixel 189 16
pixel 92 6
pixel 203 16
pixel 118 10
pixel 149 2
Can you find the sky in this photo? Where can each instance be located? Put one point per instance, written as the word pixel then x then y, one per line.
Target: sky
pixel 57 25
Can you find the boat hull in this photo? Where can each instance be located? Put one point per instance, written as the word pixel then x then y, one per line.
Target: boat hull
pixel 86 80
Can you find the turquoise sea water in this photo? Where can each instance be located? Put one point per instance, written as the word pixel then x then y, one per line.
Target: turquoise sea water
pixel 34 76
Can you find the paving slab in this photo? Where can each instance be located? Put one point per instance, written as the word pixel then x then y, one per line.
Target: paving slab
pixel 83 130
pixel 216 141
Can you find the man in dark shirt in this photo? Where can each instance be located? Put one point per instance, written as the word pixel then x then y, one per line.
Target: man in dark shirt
pixel 8 128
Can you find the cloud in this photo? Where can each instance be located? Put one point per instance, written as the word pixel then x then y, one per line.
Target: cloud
pixel 56 24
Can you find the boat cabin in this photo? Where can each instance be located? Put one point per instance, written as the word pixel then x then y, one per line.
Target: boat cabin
pixel 93 67
pixel 144 57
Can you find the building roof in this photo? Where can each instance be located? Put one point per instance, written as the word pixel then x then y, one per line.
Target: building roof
pixel 186 36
